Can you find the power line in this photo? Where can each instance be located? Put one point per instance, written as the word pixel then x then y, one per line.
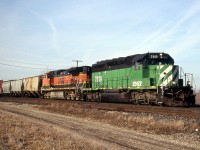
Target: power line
pixel 33 63
pixel 21 51
pixel 20 66
pixel 28 67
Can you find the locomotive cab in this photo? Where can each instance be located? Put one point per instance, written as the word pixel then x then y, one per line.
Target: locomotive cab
pixel 169 80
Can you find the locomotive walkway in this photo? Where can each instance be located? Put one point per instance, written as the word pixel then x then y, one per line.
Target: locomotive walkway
pixel 107 135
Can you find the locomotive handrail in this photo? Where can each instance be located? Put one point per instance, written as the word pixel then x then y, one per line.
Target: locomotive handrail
pixel 181 69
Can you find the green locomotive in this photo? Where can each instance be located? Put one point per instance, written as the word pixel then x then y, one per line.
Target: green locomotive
pixel 150 78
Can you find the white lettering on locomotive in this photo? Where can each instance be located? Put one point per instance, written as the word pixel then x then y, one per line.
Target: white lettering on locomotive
pixel 98 78
pixel 137 83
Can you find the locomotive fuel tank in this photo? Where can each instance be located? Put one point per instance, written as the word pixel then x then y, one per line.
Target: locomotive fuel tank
pixel 57 95
pixel 114 97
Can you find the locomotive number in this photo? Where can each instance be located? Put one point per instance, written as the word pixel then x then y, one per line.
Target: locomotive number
pixel 154 56
pixel 98 78
pixel 137 83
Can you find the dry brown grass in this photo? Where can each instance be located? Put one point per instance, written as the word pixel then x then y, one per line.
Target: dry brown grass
pixel 147 123
pixel 17 134
pixel 197 98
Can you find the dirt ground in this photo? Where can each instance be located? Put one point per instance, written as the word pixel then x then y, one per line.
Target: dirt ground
pixel 18 133
pixel 27 126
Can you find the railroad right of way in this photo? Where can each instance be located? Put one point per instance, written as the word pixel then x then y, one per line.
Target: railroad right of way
pixel 103 133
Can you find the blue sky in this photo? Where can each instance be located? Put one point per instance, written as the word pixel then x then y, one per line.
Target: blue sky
pixel 49 34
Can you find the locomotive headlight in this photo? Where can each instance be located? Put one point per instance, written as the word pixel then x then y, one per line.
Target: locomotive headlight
pixel 188 83
pixel 173 83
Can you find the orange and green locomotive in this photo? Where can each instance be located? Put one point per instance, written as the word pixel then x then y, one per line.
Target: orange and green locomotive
pixel 149 78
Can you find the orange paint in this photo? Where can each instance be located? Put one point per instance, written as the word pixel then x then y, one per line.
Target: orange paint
pixel 46 82
pixel 66 80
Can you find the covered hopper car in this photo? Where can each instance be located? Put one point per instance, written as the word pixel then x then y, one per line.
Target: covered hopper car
pixel 16 88
pixel 6 88
pixel 27 87
pixel 31 86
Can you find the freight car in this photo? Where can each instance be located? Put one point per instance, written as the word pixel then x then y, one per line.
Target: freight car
pixel 150 78
pixel 6 87
pixel 16 88
pixel 31 86
pixel 27 87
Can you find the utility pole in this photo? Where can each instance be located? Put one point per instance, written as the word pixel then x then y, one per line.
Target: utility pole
pixel 77 61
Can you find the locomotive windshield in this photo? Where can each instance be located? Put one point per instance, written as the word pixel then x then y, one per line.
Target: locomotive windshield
pixel 159 62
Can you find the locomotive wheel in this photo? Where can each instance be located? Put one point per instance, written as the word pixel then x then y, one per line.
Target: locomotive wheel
pixel 72 98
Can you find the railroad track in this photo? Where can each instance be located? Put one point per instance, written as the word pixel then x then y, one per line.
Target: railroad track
pixel 190 112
